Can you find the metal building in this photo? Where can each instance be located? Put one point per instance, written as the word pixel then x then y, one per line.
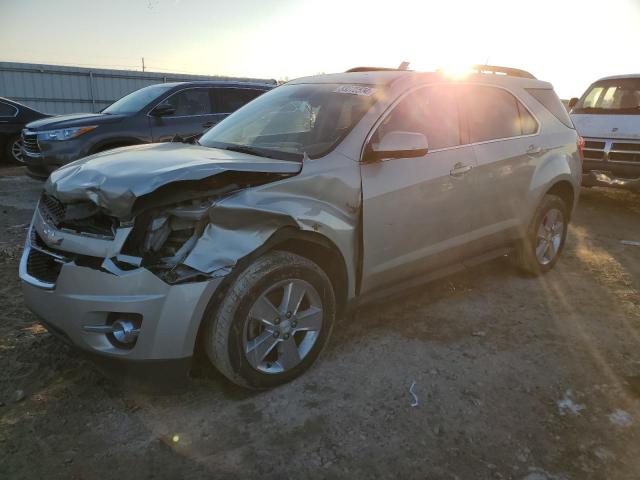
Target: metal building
pixel 57 89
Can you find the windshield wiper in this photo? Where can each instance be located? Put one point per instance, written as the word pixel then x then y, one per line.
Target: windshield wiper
pixel 248 150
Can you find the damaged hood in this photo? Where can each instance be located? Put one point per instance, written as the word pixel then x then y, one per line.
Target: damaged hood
pixel 607 126
pixel 113 180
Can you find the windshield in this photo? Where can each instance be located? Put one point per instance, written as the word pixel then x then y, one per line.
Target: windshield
pixel 620 96
pixel 293 120
pixel 136 101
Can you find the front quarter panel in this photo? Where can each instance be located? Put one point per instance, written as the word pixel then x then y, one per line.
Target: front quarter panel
pixel 324 198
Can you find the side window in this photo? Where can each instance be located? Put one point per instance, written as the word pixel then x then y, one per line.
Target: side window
pixel 528 123
pixel 548 98
pixel 7 110
pixel 432 111
pixel 192 101
pixel 492 113
pixel 231 99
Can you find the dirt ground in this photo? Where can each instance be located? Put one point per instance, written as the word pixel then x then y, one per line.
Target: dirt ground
pixel 516 378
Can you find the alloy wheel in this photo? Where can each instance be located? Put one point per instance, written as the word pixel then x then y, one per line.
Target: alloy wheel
pixel 549 236
pixel 16 151
pixel 282 326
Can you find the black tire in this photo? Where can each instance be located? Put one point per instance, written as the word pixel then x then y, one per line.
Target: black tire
pixel 224 327
pixel 10 154
pixel 524 256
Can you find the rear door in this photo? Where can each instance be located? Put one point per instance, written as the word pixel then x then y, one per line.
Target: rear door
pixel 194 114
pixel 506 144
pixel 417 212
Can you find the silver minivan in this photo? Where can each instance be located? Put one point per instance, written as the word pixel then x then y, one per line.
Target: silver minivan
pixel 320 195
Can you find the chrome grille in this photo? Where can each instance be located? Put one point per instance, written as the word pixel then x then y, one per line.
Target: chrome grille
pixel 625 152
pixel 51 209
pixel 30 144
pixel 42 264
pixel 43 267
pixel 594 149
pixel 606 150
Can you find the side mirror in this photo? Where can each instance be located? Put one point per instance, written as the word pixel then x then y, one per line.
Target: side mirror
pixel 163 110
pixel 399 145
pixel 572 102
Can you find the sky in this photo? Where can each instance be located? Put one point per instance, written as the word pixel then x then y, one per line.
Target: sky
pixel 570 43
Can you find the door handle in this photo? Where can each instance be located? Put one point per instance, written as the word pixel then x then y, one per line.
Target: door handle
pixel 534 150
pixel 208 124
pixel 459 169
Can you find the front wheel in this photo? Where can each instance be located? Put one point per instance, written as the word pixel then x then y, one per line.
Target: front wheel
pixel 13 150
pixel 539 251
pixel 273 321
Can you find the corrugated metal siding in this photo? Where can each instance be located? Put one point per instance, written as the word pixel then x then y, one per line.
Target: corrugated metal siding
pixel 57 89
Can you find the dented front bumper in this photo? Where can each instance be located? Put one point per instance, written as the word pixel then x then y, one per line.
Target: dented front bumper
pixel 595 178
pixel 79 296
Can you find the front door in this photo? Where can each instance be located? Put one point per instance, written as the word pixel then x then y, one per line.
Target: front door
pixel 194 114
pixel 418 212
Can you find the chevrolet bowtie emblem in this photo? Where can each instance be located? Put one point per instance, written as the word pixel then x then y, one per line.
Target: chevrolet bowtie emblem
pixel 50 236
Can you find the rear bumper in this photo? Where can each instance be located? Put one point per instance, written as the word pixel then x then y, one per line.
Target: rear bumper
pixel 83 296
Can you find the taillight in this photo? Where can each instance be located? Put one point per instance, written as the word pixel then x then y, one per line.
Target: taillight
pixel 580 144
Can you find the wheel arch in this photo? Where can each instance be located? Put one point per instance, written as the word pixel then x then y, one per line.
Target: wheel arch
pixel 310 245
pixel 110 143
pixel 321 251
pixel 313 246
pixel 565 190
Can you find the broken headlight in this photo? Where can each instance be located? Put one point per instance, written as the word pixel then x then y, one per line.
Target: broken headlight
pixel 171 234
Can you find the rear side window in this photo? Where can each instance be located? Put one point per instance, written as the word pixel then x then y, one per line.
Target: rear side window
pixel 231 99
pixel 551 102
pixel 7 110
pixel 193 101
pixel 494 113
pixel 528 123
pixel 432 111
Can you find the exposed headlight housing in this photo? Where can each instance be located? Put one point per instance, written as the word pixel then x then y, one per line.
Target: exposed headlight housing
pixel 171 235
pixel 64 133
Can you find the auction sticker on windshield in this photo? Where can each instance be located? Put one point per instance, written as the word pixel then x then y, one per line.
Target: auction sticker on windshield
pixel 355 90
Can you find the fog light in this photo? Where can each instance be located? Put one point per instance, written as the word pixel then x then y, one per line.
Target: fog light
pixel 125 331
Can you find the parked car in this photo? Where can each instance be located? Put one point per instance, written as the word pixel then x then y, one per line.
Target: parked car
pixel 608 117
pixel 251 242
pixel 157 113
pixel 13 117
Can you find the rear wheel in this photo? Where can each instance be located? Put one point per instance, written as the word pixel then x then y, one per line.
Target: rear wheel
pixel 273 321
pixel 13 150
pixel 540 250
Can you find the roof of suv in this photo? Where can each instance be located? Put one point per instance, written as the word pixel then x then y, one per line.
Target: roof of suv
pixel 387 77
pixel 220 83
pixel 618 77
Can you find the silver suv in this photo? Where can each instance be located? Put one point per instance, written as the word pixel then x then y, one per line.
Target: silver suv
pixel 321 194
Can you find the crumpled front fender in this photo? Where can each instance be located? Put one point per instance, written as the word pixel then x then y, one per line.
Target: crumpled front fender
pixel 327 204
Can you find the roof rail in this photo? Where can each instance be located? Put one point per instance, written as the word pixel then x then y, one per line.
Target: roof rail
pixel 373 69
pixel 512 72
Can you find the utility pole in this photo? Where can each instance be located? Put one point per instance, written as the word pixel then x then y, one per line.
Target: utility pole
pixel 143 64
